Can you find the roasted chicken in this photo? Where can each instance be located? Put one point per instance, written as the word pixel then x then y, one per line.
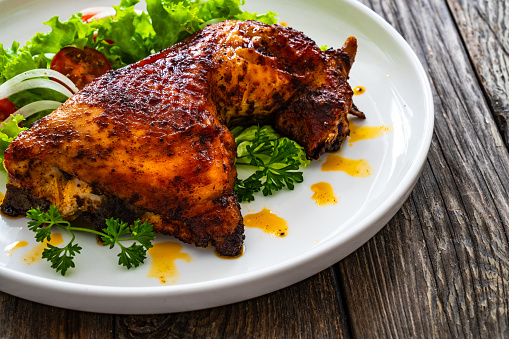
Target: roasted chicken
pixel 151 140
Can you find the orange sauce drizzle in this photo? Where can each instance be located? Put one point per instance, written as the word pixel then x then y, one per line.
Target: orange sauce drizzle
pixel 284 24
pixel 324 194
pixel 9 249
pixel 163 265
pixel 355 167
pixel 359 90
pixel 268 222
pixel 358 133
pixel 35 254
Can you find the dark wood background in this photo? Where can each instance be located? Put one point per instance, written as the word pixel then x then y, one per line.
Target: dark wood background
pixel 440 267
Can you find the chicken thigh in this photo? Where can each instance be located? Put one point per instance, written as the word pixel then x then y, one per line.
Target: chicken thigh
pixel 151 140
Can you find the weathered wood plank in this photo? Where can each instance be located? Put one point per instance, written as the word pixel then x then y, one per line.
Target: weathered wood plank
pixel 21 318
pixel 309 309
pixel 441 266
pixel 400 299
pixel 484 26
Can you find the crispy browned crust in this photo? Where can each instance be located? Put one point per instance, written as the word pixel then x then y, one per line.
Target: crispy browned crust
pixel 154 134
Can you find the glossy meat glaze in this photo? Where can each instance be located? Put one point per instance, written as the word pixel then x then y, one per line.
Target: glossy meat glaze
pixel 150 140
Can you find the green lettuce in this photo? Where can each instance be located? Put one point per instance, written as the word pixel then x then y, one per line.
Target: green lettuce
pixel 132 34
pixel 8 131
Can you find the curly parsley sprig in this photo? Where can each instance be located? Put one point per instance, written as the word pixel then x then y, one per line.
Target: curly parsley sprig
pixel 276 161
pixel 116 231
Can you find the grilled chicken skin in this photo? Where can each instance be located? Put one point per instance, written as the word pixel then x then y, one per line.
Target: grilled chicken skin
pixel 151 140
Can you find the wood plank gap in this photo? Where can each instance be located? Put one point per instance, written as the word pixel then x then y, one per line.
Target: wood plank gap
pixel 342 301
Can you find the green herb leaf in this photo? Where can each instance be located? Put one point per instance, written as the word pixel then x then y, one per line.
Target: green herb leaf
pixel 42 222
pixel 61 258
pixel 114 230
pixel 245 189
pixel 276 161
pixel 143 233
pixel 132 256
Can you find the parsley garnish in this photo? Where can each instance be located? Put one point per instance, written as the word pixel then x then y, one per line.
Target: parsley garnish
pixel 276 161
pixel 116 231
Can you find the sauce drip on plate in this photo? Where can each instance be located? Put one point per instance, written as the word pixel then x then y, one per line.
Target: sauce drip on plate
pixel 35 254
pixel 358 133
pixel 355 167
pixel 9 249
pixel 268 222
pixel 359 90
pixel 323 194
pixel 163 265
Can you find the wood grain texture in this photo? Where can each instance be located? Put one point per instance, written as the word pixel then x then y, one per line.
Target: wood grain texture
pixel 21 318
pixel 441 266
pixel 309 309
pixel 484 27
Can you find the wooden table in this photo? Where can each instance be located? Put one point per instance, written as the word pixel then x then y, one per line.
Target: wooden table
pixel 440 268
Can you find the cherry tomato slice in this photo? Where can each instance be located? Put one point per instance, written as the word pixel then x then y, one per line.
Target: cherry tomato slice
pixel 6 108
pixel 80 66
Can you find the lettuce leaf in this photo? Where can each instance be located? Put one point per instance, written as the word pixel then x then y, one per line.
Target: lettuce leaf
pixel 17 60
pixel 72 32
pixel 9 131
pixel 132 35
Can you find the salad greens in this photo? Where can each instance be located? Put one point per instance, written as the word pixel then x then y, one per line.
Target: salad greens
pixel 134 35
pixel 116 231
pixel 8 131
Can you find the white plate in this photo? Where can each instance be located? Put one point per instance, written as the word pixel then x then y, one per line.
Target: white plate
pixel 397 94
